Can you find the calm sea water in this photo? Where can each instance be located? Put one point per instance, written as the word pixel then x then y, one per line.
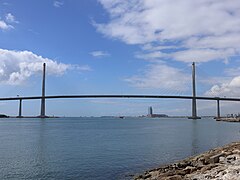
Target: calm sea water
pixel 102 148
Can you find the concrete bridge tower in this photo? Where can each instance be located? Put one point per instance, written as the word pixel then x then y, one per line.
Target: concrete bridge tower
pixel 43 115
pixel 194 102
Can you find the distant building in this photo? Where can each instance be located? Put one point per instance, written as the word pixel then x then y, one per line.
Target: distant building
pixel 150 113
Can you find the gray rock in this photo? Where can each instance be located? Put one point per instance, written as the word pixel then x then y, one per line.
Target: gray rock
pixel 215 158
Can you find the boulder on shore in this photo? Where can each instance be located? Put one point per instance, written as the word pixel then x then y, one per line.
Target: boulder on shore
pixel 220 163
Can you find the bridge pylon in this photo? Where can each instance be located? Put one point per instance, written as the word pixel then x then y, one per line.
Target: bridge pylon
pixel 194 101
pixel 42 114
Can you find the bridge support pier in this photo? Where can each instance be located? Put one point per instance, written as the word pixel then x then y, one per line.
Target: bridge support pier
pixel 218 109
pixel 20 109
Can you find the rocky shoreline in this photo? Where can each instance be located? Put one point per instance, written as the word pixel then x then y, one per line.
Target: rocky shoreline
pixel 222 163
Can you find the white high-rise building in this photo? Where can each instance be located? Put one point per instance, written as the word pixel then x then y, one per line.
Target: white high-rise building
pixel 150 111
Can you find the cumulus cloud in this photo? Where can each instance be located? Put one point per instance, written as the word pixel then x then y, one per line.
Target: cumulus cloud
pixel 58 4
pixel 228 86
pixel 206 30
pixel 161 76
pixel 229 89
pixel 99 54
pixel 18 66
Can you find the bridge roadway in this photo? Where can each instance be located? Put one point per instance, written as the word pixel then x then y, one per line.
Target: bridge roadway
pixel 119 96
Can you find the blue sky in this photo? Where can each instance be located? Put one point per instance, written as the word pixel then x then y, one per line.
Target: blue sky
pixel 119 47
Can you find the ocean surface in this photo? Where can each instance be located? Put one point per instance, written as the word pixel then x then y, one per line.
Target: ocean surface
pixel 103 148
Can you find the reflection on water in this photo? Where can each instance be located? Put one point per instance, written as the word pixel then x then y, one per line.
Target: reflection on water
pixel 194 137
pixel 102 148
pixel 41 160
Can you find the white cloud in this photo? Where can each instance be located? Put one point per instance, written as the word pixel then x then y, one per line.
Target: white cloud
pixel 161 76
pixel 150 47
pixel 203 55
pixel 17 66
pixel 58 4
pixel 151 55
pixel 10 18
pixel 228 89
pixel 7 23
pixel 205 30
pixel 228 85
pixel 99 54
pixel 5 26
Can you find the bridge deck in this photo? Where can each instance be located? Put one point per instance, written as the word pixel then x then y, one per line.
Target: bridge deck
pixel 119 96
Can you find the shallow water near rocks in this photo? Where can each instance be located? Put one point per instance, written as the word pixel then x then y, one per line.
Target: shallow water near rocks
pixel 103 148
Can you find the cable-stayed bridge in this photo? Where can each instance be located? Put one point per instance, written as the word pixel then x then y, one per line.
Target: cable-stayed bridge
pixel 43 97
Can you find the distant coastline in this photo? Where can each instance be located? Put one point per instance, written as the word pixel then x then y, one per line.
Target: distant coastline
pixel 143 116
pixel 3 116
